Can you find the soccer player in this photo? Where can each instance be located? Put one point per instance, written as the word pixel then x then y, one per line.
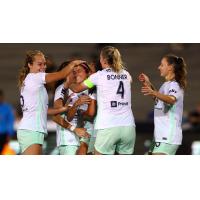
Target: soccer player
pixel 168 107
pixel 68 143
pixel 114 121
pixel 34 101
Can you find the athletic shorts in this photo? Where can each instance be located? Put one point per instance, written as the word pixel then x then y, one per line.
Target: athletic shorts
pixel 85 140
pixel 169 149
pixel 26 138
pixel 68 149
pixel 119 140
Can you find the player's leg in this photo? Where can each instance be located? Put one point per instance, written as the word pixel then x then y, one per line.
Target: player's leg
pixel 152 145
pixel 34 149
pixel 83 148
pixel 30 142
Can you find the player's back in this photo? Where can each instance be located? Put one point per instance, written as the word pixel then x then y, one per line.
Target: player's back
pixel 114 99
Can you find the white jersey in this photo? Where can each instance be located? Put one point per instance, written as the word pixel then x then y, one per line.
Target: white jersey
pixel 65 136
pixel 168 118
pixel 113 98
pixel 34 103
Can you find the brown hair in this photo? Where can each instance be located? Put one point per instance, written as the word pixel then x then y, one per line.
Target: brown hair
pixel 30 55
pixel 113 58
pixel 180 69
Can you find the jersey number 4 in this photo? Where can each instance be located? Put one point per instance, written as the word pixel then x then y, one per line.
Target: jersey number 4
pixel 120 89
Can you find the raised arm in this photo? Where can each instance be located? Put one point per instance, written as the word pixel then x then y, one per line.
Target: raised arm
pixel 52 77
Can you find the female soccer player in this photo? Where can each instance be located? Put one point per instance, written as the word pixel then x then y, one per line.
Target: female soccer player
pixel 34 101
pixel 114 122
pixel 168 107
pixel 68 143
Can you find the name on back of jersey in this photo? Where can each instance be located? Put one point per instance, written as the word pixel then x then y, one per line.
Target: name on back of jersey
pixel 116 76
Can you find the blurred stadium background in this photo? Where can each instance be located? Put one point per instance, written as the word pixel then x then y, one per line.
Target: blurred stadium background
pixel 137 58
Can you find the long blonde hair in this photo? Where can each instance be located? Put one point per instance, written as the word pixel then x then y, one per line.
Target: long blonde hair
pixel 113 58
pixel 30 56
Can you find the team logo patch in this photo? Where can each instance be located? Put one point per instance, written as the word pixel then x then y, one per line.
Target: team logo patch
pixel 157 144
pixel 113 104
pixel 172 91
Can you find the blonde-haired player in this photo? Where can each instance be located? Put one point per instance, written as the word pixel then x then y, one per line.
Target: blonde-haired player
pixel 114 121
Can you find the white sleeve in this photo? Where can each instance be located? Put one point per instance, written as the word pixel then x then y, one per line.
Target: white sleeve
pixel 94 78
pixel 174 90
pixel 39 78
pixel 59 93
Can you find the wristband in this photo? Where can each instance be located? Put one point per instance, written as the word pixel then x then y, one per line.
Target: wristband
pixel 72 128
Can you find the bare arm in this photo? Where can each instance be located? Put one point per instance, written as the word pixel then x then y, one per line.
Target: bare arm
pixel 52 77
pixel 169 99
pixel 55 111
pixel 81 132
pixel 91 111
pixel 83 148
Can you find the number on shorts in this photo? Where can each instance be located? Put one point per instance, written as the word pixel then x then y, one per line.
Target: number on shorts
pixel 120 89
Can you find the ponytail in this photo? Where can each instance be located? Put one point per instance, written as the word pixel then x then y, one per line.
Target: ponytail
pixel 180 69
pixel 113 58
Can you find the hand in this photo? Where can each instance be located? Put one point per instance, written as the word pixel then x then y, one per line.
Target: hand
pixel 84 99
pixel 92 68
pixel 81 132
pixel 147 90
pixel 69 80
pixel 77 62
pixel 144 79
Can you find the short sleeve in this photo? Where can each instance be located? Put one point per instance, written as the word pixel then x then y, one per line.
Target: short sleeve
pixel 59 93
pixel 175 90
pixel 39 78
pixel 92 80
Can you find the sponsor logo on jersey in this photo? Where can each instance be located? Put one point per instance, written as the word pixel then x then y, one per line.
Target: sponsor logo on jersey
pixel 157 144
pixel 114 104
pixel 122 103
